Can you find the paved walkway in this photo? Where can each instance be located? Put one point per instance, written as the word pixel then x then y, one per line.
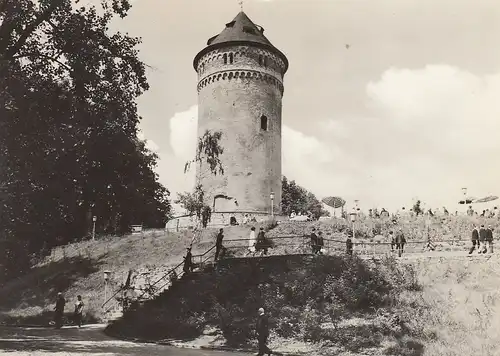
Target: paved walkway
pixel 433 254
pixel 89 340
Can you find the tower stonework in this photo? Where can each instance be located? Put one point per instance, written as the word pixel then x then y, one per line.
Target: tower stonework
pixel 240 90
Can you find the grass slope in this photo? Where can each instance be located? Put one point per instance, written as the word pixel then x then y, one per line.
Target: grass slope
pixel 79 268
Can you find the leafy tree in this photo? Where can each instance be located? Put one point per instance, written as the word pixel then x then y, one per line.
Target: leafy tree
pixel 298 199
pixel 192 202
pixel 68 122
pixel 208 151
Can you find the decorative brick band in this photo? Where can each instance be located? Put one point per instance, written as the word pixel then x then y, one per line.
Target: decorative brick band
pixel 234 53
pixel 242 75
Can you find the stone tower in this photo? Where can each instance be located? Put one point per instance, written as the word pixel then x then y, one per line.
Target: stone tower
pixel 240 90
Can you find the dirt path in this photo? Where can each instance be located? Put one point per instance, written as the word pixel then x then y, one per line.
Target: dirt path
pixel 89 340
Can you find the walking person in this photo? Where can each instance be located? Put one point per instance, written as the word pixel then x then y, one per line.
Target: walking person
pixel 252 241
pixel 400 242
pixel 314 240
pixel 59 310
pixel 482 239
pixel 489 238
pixel 206 216
pixel 188 262
pixel 320 243
pixel 262 329
pixel 78 317
pixel 393 240
pixel 475 240
pixel 218 243
pixel 349 244
pixel 262 245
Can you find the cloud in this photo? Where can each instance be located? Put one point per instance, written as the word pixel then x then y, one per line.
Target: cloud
pixel 150 144
pixel 431 131
pixel 434 130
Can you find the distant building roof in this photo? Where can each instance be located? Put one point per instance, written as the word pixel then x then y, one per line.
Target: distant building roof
pixel 240 30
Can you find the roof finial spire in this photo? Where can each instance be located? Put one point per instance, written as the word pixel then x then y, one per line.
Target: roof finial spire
pixel 241 4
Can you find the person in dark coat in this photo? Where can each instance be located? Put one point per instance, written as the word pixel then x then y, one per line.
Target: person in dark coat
pixel 262 329
pixel 314 240
pixel 206 216
pixel 475 240
pixel 349 244
pixel 489 238
pixel 59 309
pixel 321 243
pixel 218 243
pixel 482 239
pixel 188 262
pixel 400 242
pixel 262 244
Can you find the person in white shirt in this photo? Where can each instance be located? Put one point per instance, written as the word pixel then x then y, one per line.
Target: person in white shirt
pixel 79 311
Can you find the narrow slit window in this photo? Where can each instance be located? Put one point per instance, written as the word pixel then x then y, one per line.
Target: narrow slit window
pixel 260 59
pixel 231 58
pixel 263 123
pixel 225 58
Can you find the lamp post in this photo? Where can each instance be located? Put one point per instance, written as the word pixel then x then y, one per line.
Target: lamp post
pixel 353 216
pixel 94 219
pixel 272 203
pixel 106 279
pixel 464 191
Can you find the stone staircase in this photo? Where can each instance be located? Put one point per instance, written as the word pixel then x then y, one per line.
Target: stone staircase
pixel 158 278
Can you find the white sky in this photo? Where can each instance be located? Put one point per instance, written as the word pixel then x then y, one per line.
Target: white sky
pixel 411 109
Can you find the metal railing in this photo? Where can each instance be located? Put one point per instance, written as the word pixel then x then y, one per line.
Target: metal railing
pixel 304 246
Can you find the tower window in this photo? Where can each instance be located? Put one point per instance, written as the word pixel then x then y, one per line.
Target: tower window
pixel 261 59
pixel 225 58
pixel 263 123
pixel 231 58
pixel 249 30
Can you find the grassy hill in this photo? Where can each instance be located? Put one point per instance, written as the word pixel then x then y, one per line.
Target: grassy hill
pixel 79 269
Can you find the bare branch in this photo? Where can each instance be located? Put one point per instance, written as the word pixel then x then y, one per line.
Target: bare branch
pixel 32 27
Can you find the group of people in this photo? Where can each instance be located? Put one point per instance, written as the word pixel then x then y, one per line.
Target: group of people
pixel 482 239
pixel 317 242
pixel 60 307
pixel 258 244
pixel 398 241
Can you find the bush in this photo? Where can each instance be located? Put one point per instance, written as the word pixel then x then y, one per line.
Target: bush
pixel 298 294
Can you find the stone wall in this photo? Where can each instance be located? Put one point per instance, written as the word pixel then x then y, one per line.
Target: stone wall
pixel 240 91
pixel 220 219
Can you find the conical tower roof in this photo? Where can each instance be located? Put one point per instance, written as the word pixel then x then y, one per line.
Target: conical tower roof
pixel 241 30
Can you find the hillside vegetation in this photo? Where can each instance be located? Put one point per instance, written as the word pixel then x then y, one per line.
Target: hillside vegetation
pixel 338 303
pixel 332 304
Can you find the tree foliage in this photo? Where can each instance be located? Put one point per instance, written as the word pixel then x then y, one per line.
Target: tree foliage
pixel 208 150
pixel 298 199
pixel 69 122
pixel 192 202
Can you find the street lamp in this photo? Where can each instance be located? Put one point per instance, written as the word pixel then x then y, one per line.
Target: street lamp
pixel 94 219
pixel 353 216
pixel 106 279
pixel 272 203
pixel 464 190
